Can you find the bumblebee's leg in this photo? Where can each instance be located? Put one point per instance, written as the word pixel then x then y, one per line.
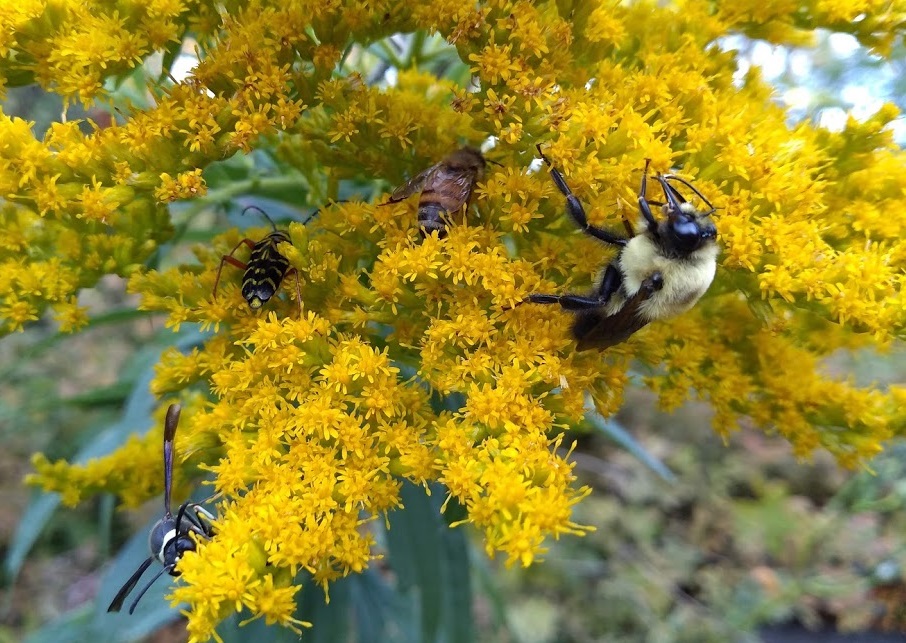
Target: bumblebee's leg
pixel 609 285
pixel 652 284
pixel 644 204
pixel 575 209
pixel 228 258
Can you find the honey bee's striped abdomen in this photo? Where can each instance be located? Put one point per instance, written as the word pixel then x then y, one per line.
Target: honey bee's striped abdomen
pixel 266 270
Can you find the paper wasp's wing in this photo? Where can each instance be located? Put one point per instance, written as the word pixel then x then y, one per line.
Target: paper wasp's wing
pixel 117 603
pixel 170 425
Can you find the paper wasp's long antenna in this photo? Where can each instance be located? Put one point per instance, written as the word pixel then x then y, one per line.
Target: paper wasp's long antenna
pixel 169 433
pixel 147 587
pixel 117 603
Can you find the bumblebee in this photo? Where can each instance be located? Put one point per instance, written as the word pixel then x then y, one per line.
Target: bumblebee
pixel 445 188
pixel 658 273
pixel 170 537
pixel 266 267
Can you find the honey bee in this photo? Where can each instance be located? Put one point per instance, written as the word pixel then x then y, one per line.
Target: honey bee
pixel 659 272
pixel 445 188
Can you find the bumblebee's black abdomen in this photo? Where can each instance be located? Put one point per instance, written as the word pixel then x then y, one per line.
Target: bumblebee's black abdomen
pixel 266 269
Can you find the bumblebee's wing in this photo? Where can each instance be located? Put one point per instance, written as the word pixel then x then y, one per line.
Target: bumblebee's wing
pixel 593 329
pixel 410 187
pixel 117 603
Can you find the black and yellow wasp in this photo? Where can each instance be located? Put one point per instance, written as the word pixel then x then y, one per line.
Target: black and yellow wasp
pixel 265 269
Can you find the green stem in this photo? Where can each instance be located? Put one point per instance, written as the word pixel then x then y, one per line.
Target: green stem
pixel 414 55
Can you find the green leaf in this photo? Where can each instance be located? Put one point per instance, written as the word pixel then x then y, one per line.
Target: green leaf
pixel 73 626
pixel 330 620
pixel 38 512
pixel 432 566
pixel 616 432
pixel 415 549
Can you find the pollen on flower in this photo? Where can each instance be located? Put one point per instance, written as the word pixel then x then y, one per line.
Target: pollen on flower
pixel 184 186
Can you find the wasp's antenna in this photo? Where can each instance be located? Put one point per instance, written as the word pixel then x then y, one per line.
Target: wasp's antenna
pixel 263 213
pixel 147 587
pixel 169 433
pixel 117 603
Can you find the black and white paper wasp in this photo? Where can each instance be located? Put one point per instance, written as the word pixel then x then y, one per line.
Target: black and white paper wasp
pixel 659 272
pixel 170 537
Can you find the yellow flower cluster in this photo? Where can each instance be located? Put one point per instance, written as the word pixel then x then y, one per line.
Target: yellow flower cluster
pixel 411 360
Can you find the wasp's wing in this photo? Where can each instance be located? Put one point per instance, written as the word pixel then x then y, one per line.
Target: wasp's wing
pixel 170 425
pixel 117 603
pixel 593 329
pixel 410 187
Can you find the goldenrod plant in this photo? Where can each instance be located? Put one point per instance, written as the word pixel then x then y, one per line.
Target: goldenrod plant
pixel 411 360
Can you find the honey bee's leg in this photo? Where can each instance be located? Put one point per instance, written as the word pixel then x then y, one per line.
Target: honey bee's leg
pixel 298 289
pixel 576 211
pixel 598 299
pixel 644 204
pixel 228 258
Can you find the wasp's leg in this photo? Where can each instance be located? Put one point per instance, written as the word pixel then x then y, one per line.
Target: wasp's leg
pixel 194 516
pixel 228 258
pixel 598 299
pixel 644 204
pixel 576 211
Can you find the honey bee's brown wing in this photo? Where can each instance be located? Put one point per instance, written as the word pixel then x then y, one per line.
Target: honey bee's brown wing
pixel 450 187
pixel 410 187
pixel 593 329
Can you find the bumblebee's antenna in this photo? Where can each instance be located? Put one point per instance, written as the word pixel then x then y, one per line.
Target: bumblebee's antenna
pixel 674 177
pixel 263 213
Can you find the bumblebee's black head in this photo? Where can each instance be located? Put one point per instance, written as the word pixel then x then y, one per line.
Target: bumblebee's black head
pixel 688 230
pixel 685 229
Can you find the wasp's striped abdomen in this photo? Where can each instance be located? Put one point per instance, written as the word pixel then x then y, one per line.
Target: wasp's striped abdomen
pixel 266 270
